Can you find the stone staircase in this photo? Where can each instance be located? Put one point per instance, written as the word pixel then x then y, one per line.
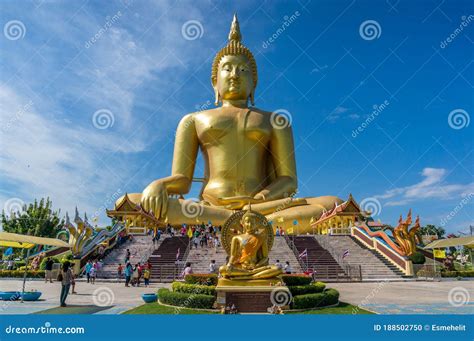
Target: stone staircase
pixel 138 247
pixel 200 258
pixel 282 252
pixel 319 259
pixel 373 265
pixel 165 265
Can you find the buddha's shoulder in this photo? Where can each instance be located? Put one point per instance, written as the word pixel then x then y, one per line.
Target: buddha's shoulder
pixel 215 111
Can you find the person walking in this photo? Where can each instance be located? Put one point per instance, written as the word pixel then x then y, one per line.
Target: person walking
pixel 127 256
pixel 146 277
pixel 92 274
pixel 119 272
pixel 48 273
pixel 66 277
pixel 187 270
pixel 128 273
pixel 287 268
pixel 213 267
pixel 88 270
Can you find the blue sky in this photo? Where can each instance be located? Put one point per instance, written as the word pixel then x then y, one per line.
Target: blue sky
pixel 132 63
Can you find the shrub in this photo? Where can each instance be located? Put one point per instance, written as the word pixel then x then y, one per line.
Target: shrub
pixel 313 288
pixel 457 273
pixel 328 297
pixel 186 300
pixel 202 279
pixel 417 258
pixel 296 279
pixel 193 288
pixel 20 274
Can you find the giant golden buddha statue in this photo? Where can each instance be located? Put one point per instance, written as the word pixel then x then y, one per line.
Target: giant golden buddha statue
pixel 249 157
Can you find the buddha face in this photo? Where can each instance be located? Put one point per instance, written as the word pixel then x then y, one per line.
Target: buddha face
pixel 234 78
pixel 249 224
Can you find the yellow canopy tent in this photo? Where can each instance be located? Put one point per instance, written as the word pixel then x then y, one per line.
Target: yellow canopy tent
pixel 467 242
pixel 21 241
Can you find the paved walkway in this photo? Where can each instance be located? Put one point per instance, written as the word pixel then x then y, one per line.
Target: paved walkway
pixel 410 297
pixel 114 297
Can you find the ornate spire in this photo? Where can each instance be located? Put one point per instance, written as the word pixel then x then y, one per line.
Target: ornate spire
pixel 234 33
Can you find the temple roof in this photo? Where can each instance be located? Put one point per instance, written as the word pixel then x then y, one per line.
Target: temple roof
pixel 342 208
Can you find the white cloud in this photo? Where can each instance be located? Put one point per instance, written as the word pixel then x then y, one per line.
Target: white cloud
pixel 431 187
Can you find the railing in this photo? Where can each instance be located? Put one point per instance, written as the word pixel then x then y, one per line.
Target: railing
pixel 291 244
pixel 167 273
pixel 427 272
pixel 340 231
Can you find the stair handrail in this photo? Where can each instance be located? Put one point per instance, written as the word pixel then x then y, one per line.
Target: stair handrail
pixel 291 244
pixel 147 253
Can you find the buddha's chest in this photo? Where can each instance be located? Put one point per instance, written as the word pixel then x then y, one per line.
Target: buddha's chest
pixel 233 128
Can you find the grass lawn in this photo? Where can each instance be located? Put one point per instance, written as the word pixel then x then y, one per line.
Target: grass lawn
pixel 156 308
pixel 342 309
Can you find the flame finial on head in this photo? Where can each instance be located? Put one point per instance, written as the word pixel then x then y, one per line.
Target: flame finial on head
pixel 234 33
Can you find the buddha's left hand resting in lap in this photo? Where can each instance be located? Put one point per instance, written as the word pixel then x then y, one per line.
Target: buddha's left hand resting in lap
pixel 248 158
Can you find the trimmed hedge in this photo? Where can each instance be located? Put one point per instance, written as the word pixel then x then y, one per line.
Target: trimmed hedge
pixel 202 279
pixel 328 297
pixel 457 273
pixel 186 300
pixel 193 288
pixel 292 280
pixel 313 288
pixel 18 273
pixel 418 258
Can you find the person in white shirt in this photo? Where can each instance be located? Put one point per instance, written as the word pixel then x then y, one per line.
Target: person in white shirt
pixel 213 267
pixel 287 268
pixel 278 264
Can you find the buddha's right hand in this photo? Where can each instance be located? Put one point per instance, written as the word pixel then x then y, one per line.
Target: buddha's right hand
pixel 155 198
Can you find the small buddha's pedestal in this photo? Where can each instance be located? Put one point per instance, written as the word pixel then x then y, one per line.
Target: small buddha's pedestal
pixel 248 296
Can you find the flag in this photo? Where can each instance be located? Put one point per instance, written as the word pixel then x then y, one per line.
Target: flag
pixel 190 232
pixel 345 254
pixel 8 252
pixel 177 253
pixel 303 254
pixel 439 253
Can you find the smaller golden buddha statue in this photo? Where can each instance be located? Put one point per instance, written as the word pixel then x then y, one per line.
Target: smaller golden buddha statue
pixel 248 254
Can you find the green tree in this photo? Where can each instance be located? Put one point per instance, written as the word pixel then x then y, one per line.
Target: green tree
pixel 432 229
pixel 35 219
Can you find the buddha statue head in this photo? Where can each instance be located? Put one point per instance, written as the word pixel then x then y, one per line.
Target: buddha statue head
pixel 249 221
pixel 234 70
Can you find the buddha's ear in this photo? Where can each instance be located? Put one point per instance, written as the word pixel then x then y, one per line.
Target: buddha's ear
pixel 217 96
pixel 252 97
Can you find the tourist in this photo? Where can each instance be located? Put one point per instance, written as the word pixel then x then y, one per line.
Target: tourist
pixel 48 273
pixel 88 270
pixel 65 277
pixel 73 284
pixel 136 276
pixel 128 273
pixel 196 241
pixel 213 267
pixel 10 264
pixel 287 268
pixel 158 235
pixel 217 243
pixel 127 256
pixel 148 265
pixel 146 277
pixel 119 272
pixel 92 274
pixel 281 231
pixel 187 270
pixel 277 233
pixel 278 264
